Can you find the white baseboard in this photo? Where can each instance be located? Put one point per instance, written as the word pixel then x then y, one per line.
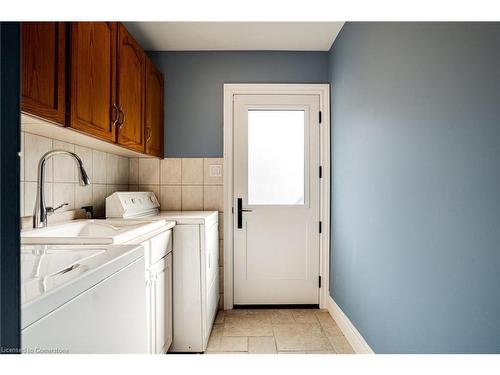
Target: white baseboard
pixel 350 332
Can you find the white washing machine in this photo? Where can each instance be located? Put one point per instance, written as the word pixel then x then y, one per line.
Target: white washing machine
pixel 195 265
pixel 73 301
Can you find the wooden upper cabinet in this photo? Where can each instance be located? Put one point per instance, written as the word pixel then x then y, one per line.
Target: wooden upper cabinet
pixel 93 78
pixel 154 110
pixel 44 70
pixel 130 91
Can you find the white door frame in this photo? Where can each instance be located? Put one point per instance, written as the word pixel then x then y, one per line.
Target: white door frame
pixel 323 91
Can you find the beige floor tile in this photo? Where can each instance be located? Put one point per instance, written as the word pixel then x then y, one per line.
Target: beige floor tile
pixel 219 319
pixel 280 316
pixel 324 317
pixel 234 312
pixel 282 331
pixel 262 313
pixel 292 352
pixel 300 337
pixel 328 324
pixel 227 353
pixel 247 325
pixel 214 341
pixel 234 344
pixel 261 345
pixel 305 316
pixel 341 345
pixel 332 330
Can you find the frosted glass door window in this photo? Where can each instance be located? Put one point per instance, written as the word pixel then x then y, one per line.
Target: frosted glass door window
pixel 276 141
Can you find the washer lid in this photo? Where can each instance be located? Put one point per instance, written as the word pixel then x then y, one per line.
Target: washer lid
pixel 52 275
pixel 132 204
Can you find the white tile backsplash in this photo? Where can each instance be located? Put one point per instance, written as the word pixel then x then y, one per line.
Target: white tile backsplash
pixel 112 172
pixel 65 193
pixel 30 190
pixel 64 165
pixel 171 171
pixel 108 173
pixel 99 172
pixel 192 171
pixel 83 195
pixel 170 197
pixel 86 155
pixel 213 198
pixel 98 199
pixel 34 148
pixel 154 188
pixel 192 197
pixel 133 177
pixel 123 170
pixel 149 171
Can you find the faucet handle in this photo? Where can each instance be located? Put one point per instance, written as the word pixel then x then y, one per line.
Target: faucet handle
pixel 52 209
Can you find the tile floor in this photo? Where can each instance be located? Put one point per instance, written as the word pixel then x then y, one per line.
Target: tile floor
pixel 271 331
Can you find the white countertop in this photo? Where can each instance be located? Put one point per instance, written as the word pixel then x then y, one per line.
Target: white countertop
pixel 189 217
pixel 52 275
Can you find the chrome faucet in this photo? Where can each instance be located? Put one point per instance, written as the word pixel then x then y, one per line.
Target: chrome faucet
pixel 40 212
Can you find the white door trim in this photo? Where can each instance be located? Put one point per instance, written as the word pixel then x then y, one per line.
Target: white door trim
pixel 323 90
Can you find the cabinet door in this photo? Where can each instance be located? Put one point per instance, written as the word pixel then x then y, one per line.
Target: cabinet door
pixel 131 82
pixel 154 110
pixel 163 305
pixel 93 78
pixel 44 70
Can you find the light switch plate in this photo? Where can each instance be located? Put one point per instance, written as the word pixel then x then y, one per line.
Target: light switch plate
pixel 215 170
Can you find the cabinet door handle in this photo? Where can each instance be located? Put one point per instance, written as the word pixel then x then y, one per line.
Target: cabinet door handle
pixel 116 115
pixel 121 118
pixel 148 134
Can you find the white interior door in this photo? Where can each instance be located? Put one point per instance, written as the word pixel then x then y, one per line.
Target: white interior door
pixel 276 199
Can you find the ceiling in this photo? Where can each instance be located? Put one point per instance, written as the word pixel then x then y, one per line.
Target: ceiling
pixel 225 36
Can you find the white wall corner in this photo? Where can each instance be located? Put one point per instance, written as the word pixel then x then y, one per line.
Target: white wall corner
pixel 358 343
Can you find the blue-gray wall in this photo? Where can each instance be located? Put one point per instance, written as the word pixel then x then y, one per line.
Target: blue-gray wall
pixel 194 90
pixel 416 185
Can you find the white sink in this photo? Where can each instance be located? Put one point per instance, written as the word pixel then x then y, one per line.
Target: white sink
pixel 99 232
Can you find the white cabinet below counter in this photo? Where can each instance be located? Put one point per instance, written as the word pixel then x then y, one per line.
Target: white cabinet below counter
pixel 160 286
pixel 158 280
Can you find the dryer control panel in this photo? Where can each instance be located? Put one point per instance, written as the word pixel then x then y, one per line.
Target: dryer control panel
pixel 130 204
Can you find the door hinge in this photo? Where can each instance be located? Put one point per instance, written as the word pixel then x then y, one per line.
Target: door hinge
pixel 320 171
pixel 319 281
pixel 320 117
pixel 320 226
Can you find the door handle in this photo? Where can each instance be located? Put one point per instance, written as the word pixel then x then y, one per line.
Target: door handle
pixel 240 213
